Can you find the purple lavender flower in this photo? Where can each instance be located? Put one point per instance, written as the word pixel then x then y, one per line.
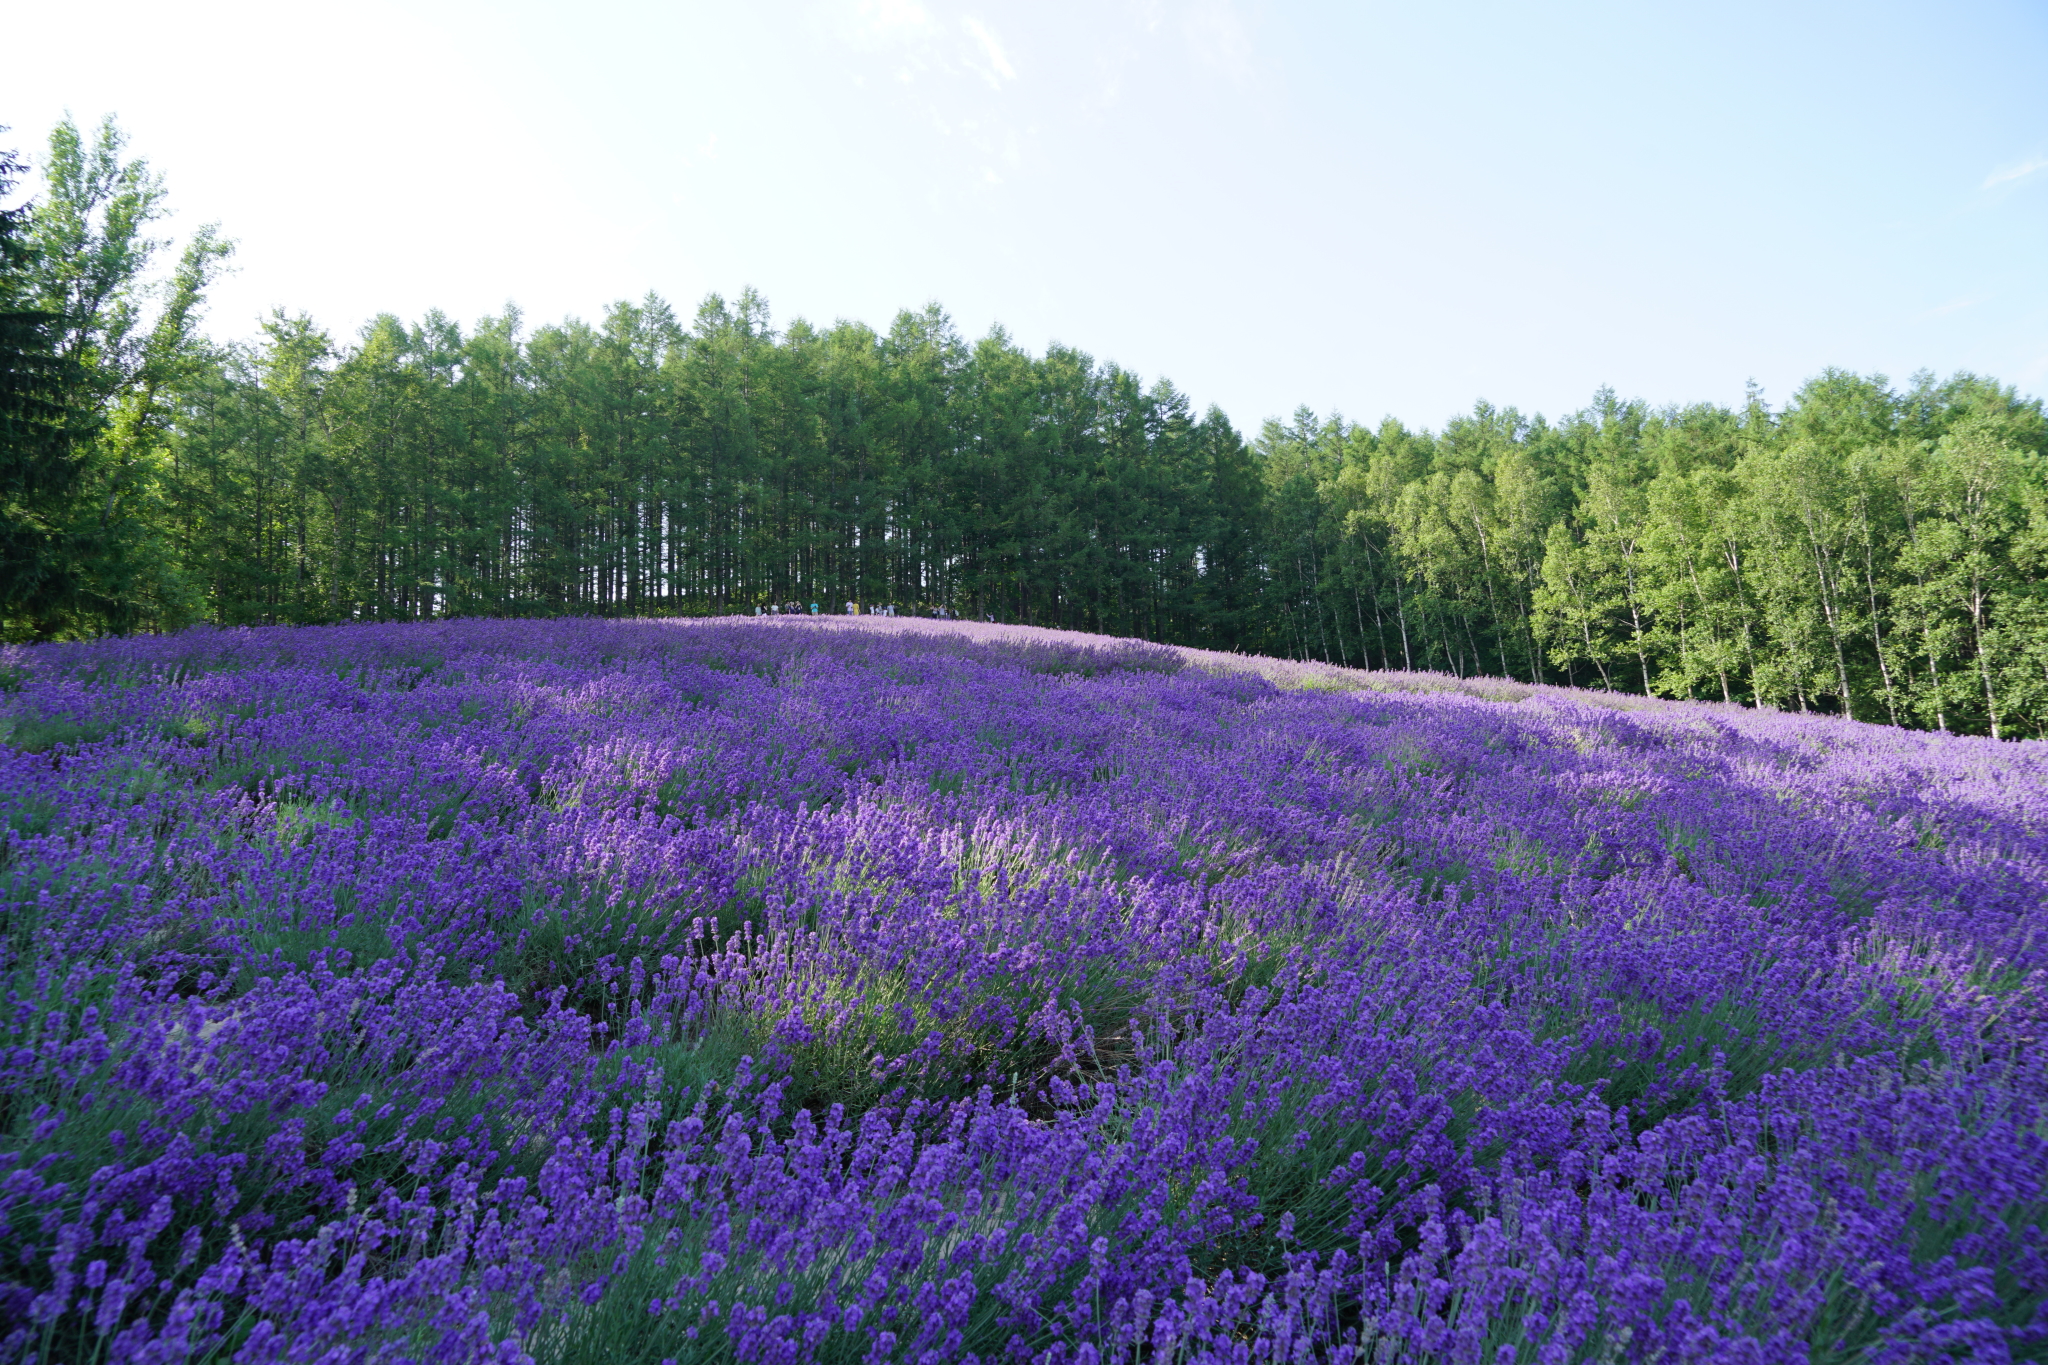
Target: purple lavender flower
pixel 857 988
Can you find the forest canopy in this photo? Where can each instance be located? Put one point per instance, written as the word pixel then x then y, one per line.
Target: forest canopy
pixel 1866 548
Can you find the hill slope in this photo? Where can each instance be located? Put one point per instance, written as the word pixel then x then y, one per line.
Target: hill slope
pixel 781 989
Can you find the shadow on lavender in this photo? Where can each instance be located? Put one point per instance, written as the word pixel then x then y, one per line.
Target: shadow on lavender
pixel 857 989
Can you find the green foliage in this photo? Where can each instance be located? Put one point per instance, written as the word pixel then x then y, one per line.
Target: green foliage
pixel 93 368
pixel 40 428
pixel 1869 551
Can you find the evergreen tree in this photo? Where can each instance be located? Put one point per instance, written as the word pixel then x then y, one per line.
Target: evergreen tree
pixel 133 344
pixel 41 428
pixel 1872 551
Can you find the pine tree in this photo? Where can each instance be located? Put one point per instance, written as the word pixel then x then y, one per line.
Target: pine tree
pixel 41 428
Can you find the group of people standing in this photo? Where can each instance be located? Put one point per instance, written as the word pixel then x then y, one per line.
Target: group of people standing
pixel 935 613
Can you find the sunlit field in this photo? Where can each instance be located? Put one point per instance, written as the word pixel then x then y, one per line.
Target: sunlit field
pixel 870 990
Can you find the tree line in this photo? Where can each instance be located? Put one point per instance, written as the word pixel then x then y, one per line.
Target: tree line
pixel 1865 549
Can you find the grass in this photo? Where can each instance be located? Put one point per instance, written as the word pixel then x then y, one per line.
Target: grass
pixel 696 1309
pixel 41 735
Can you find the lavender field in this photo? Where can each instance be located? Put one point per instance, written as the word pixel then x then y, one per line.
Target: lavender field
pixel 860 990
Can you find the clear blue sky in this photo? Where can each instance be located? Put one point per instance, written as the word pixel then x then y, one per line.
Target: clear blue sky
pixel 1374 208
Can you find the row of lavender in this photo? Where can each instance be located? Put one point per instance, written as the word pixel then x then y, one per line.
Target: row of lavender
pixel 789 990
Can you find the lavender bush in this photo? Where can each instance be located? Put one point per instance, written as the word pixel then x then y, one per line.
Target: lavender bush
pixel 781 990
